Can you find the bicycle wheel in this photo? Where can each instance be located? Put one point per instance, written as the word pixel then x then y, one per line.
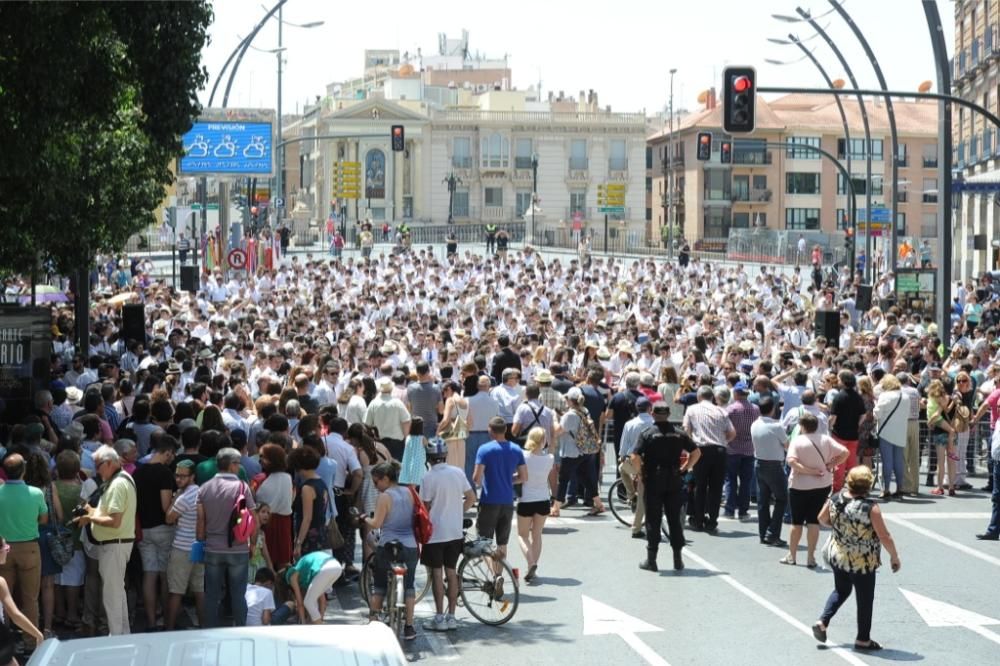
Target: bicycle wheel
pixel 367 577
pixel 421 582
pixel 622 506
pixel 479 590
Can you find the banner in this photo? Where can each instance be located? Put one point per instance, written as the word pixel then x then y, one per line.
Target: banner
pixel 25 346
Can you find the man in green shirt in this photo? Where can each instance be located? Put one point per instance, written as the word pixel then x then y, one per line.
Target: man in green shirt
pixel 22 510
pixel 112 530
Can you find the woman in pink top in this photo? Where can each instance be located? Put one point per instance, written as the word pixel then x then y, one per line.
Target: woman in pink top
pixel 812 458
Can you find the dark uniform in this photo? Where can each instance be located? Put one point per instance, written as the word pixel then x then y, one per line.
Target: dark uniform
pixel 491 238
pixel 660 447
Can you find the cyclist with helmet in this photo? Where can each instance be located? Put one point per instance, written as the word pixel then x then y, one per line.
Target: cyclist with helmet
pixel 447 494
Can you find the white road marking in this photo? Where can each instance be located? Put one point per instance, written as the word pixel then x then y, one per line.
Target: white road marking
pixel 440 645
pixel 926 515
pixel 939 614
pixel 600 619
pixel 968 550
pixel 846 655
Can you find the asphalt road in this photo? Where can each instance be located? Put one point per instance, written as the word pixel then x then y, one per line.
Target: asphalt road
pixel 734 601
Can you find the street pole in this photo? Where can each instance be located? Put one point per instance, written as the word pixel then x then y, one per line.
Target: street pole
pixel 671 215
pixel 868 135
pixel 534 194
pixel 279 182
pixel 944 226
pixel 894 137
pixel 606 234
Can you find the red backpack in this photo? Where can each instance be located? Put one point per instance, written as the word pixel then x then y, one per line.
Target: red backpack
pixel 422 526
pixel 242 522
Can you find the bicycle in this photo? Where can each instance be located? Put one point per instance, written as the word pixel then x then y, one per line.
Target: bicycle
pixel 393 612
pixel 623 505
pixel 481 577
pixel 421 579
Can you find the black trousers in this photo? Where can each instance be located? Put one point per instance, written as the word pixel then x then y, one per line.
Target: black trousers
pixel 662 493
pixel 710 473
pixel 491 244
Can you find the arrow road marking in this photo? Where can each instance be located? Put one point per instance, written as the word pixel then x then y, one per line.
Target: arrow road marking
pixel 939 614
pixel 601 619
pixel 968 550
pixel 846 655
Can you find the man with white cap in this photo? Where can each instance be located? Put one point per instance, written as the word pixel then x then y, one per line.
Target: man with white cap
pixel 390 416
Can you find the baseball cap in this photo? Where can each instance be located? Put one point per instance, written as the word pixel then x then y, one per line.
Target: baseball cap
pixel 642 403
pixel 741 387
pixel 574 394
pixel 660 407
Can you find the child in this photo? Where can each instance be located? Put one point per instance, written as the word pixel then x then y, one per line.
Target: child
pixel 414 461
pixel 260 598
pixel 259 557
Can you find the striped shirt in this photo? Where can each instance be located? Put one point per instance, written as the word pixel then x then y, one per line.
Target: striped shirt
pixel 742 414
pixel 186 505
pixel 707 424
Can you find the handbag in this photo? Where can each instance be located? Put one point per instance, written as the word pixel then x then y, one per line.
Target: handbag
pixel 960 419
pixel 58 537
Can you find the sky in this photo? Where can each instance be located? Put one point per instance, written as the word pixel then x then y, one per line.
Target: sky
pixel 623 50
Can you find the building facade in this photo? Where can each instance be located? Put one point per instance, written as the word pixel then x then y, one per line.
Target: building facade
pixel 794 188
pixel 976 77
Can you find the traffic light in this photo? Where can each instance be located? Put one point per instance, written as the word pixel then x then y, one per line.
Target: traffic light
pixel 397 138
pixel 726 152
pixel 704 146
pixel 849 240
pixel 739 98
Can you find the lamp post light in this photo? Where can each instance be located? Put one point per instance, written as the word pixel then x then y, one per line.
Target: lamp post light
pixel 671 213
pixel 453 182
pixel 534 194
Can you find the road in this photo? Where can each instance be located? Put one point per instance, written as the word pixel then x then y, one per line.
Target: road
pixel 592 605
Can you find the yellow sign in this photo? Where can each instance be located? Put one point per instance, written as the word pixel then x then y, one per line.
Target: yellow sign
pixel 350 167
pixel 615 187
pixel 611 194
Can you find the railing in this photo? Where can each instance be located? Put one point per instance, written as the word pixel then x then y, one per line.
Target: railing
pixel 554 118
pixel 751 157
pixel 930 162
pixel 757 195
pixel 718 195
pixel 781 246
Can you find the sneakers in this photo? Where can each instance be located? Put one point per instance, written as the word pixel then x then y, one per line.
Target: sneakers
pixel 409 633
pixel 498 588
pixel 648 565
pixel 437 623
pixel 451 622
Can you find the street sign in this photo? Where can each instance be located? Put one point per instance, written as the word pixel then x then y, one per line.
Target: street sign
pixel 615 187
pixel 279 202
pixel 214 206
pixel 611 209
pixel 227 147
pixel 237 259
pixel 879 214
pixel 196 206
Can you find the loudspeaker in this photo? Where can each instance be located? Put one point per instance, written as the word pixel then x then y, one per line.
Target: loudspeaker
pixel 189 278
pixel 979 242
pixel 828 325
pixel 863 301
pixel 134 322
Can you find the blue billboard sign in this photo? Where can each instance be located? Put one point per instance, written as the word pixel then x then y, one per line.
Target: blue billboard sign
pixel 227 147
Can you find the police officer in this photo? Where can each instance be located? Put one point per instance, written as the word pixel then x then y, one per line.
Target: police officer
pixel 491 239
pixel 657 456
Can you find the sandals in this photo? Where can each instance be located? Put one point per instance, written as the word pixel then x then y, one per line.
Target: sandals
pixel 596 511
pixel 871 647
pixel 787 559
pixel 811 564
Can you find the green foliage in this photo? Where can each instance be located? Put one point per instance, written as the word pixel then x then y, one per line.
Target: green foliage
pixel 94 97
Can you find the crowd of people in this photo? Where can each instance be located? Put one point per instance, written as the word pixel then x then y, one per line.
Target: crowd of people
pixel 269 430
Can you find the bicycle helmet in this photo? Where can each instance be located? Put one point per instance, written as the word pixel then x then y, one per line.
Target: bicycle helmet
pixel 436 449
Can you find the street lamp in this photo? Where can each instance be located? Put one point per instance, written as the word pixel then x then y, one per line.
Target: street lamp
pixel 453 182
pixel 669 213
pixel 534 193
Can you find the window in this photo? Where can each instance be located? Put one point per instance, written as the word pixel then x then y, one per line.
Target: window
pixel 741 191
pixel 649 184
pixel 578 202
pixel 930 154
pixel 750 151
pixel 741 220
pixel 717 222
pixel 522 201
pixel 649 157
pixel 618 157
pixel 461 152
pixel 578 155
pixel 877 149
pixel 928 226
pixel 493 196
pixel 843 219
pixel 901 224
pixel 930 190
pixel 760 182
pixel 494 152
pixel 858 149
pixel 859 185
pixel 796 153
pixel 901 155
pixel 717 184
pixel 522 153
pixel 804 219
pixel 802 183
pixel 460 205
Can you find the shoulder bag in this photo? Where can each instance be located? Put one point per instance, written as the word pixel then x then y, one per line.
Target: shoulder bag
pixel 58 537
pixel 878 432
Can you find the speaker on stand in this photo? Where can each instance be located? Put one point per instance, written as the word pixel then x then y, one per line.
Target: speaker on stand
pixel 828 325
pixel 134 322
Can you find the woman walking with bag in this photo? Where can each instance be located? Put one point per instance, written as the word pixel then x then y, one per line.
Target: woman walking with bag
pixel 579 448
pixel 454 425
pixel 812 458
pixel 533 507
pixel 855 547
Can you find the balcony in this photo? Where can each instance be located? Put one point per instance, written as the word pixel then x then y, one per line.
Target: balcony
pixel 718 196
pixel 523 175
pixel 752 157
pixel 987 144
pixel 991 48
pixel 498 213
pixel 930 162
pixel 752 196
pixel 974 61
pixel 521 162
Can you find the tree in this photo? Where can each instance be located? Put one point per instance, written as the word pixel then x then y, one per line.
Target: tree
pixel 94 97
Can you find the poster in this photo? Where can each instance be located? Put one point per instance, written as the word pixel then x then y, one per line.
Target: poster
pixel 25 346
pixel 375 174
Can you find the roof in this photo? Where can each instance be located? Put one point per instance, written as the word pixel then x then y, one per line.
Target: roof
pixel 819 113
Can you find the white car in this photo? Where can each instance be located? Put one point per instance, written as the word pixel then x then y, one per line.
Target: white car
pixel 293 645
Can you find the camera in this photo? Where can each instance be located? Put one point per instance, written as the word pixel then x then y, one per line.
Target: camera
pixel 80 511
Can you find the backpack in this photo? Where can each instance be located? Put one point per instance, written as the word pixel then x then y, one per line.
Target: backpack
pixel 422 526
pixel 242 522
pixel 586 435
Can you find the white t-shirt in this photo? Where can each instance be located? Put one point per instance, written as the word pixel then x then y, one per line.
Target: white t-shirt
pixel 444 486
pixel 259 599
pixel 536 489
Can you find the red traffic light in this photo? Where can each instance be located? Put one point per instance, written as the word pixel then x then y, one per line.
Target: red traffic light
pixel 705 138
pixel 397 130
pixel 742 84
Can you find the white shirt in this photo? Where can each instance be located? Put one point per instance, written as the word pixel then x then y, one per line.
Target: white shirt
pixel 536 488
pixel 892 413
pixel 259 599
pixel 344 455
pixel 444 487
